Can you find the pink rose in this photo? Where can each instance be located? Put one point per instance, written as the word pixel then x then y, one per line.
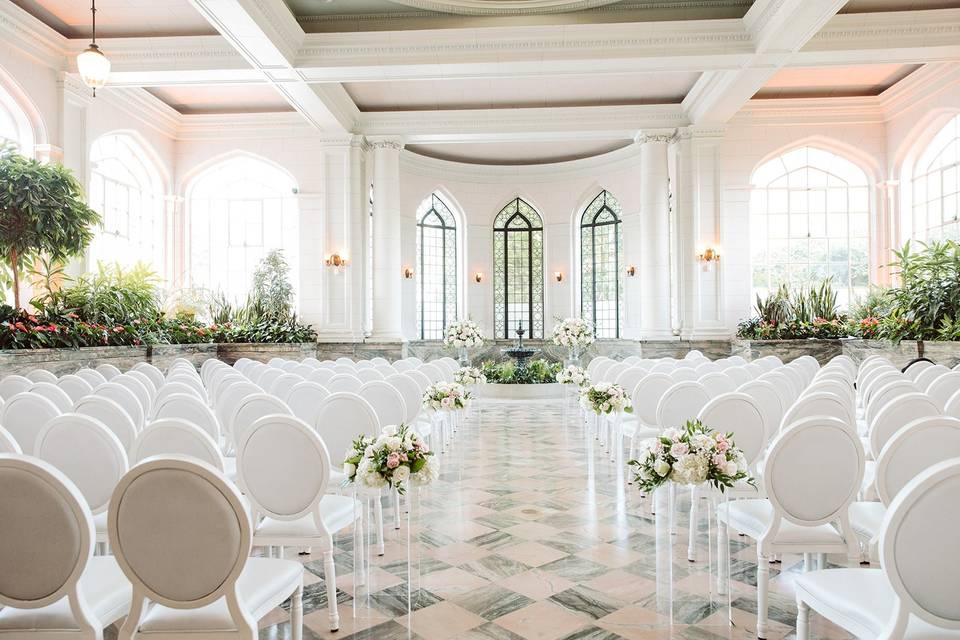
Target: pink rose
pixel 720 461
pixel 393 460
pixel 679 449
pixel 722 445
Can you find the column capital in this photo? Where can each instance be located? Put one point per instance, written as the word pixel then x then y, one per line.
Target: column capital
pixel 655 135
pixel 385 142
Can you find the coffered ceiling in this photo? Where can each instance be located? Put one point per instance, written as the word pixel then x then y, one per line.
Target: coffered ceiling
pixel 499 81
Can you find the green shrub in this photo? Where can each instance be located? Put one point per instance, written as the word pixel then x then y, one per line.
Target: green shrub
pixel 537 371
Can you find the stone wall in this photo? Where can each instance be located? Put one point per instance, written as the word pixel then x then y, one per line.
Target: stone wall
pixel 788 350
pixel 617 349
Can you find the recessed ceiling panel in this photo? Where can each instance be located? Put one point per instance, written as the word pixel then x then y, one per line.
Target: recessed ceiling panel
pixel 834 82
pixel 222 99
pixel 518 153
pixel 877 6
pixel 505 93
pixel 120 18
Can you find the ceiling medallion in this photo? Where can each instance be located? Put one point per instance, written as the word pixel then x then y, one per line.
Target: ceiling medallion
pixel 503 7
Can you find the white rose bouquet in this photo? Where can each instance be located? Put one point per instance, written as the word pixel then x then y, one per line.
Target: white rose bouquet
pixel 694 454
pixel 446 396
pixel 467 376
pixel 396 457
pixel 463 334
pixel 573 332
pixel 574 375
pixel 605 397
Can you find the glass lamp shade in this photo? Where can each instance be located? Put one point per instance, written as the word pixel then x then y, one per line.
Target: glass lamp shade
pixel 93 66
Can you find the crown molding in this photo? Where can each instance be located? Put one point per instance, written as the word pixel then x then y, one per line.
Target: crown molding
pixel 286 124
pixel 791 112
pixel 922 84
pixel 32 37
pixel 619 159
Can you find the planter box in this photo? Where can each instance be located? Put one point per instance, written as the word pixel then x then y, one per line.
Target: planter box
pixel 548 391
pixel 363 350
pixel 263 352
pixel 161 355
pixel 787 350
pixel 898 353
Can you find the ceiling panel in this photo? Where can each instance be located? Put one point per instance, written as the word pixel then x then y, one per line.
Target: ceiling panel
pixel 500 93
pixel 119 18
pixel 875 6
pixel 222 99
pixel 826 82
pixel 518 153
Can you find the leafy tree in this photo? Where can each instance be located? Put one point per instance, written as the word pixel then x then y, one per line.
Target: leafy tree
pixel 271 295
pixel 42 213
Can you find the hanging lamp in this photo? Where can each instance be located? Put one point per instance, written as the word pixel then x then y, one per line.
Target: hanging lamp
pixel 93 66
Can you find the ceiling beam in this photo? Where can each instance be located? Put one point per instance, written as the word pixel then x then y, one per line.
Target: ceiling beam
pixel 267 36
pixel 778 29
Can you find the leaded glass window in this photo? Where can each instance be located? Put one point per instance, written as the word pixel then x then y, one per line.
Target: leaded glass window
pixel 437 265
pixel 518 270
pixel 601 250
pixel 810 220
pixel 127 190
pixel 936 186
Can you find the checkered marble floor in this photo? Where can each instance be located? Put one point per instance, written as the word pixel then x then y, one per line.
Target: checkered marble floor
pixel 530 534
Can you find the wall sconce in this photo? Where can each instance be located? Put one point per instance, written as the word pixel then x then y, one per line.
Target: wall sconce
pixel 631 271
pixel 558 275
pixel 478 276
pixel 708 254
pixel 336 262
pixel 407 273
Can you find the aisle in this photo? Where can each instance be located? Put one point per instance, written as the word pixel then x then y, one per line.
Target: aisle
pixel 529 535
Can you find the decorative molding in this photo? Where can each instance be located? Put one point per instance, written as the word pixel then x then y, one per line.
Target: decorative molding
pixel 395 144
pixel 790 112
pixel 662 138
pixel 31 37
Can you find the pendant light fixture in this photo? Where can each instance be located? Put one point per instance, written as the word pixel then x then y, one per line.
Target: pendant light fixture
pixel 93 66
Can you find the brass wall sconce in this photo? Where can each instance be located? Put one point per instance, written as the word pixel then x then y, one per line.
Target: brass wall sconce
pixel 631 271
pixel 558 275
pixel 478 276
pixel 407 273
pixel 709 254
pixel 337 262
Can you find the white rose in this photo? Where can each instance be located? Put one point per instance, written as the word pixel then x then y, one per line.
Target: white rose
pixel 390 430
pixel 349 469
pixel 401 473
pixel 731 468
pixel 661 467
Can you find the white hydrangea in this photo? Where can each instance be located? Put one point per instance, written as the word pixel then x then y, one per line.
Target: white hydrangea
pixel 467 376
pixel 463 333
pixel 573 332
pixel 574 375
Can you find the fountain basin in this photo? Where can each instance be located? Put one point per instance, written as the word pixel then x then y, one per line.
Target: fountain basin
pixel 546 391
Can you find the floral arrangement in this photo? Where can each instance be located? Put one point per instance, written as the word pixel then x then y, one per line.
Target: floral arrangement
pixel 396 457
pixel 605 397
pixel 573 332
pixel 694 454
pixel 574 375
pixel 446 396
pixel 463 333
pixel 467 376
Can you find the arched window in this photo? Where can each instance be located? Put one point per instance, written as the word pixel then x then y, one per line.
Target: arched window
pixel 809 220
pixel 15 126
pixel 518 270
pixel 127 190
pixel 239 210
pixel 437 265
pixel 601 249
pixel 936 186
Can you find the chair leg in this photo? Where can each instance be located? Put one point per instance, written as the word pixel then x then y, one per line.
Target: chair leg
pixel 763 584
pixel 692 542
pixel 803 620
pixel 296 614
pixel 396 509
pixel 723 556
pixel 330 578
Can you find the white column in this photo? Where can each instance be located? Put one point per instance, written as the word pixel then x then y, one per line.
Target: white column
pixel 175 242
pixel 654 237
pixel 387 298
pixel 888 231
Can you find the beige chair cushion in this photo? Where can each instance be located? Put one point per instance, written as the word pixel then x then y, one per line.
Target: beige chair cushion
pixel 337 512
pixel 752 517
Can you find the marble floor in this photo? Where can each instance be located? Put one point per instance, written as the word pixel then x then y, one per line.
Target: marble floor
pixel 530 534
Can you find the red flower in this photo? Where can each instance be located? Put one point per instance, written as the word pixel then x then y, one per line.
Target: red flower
pixel 118 329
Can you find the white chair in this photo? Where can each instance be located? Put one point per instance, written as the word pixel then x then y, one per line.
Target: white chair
pixel 305 399
pixel 268 377
pixel 311 362
pixel 284 469
pixel 717 383
pixel 945 386
pixel 385 370
pixel 344 361
pixel 768 401
pixel 112 415
pixel 321 376
pixel 302 370
pixel 108 371
pixel 92 376
pixel 402 365
pixel 23 415
pixel 369 375
pixel 138 389
pixel 684 374
pixel 630 378
pixel 681 402
pixel 914 447
pixel 9 444
pixel 386 400
pixel 215 591
pixel 364 364
pixel 904 409
pixel 342 382
pixel 174 437
pixel 251 409
pixel 124 397
pixel 917 367
pixel 914 595
pixel 282 386
pixel 42 375
pixel 821 403
pixel 174 389
pixel 420 378
pixel 146 381
pixel 646 396
pixel 929 374
pixel 883 396
pixel 75 386
pixel 188 407
pixel 412 395
pixel 51 585
pixel 13 384
pixel 344 369
pixel 738 375
pixel 90 455
pixel 433 372
pixel 227 401
pixel 378 360
pixel 54 394
pixel 192 381
pixel 812 474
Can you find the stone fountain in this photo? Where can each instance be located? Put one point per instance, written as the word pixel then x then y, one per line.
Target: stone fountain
pixel 518 352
